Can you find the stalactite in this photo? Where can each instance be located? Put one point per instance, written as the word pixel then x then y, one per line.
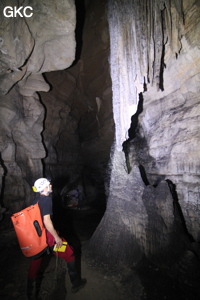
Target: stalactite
pixel 138 35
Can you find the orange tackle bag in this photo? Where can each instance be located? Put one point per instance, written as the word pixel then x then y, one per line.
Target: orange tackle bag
pixel 30 231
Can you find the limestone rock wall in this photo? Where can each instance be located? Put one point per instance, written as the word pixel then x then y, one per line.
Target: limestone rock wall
pixel 79 126
pixel 153 194
pixel 28 48
pixel 170 120
pixel 155 74
pixel 154 58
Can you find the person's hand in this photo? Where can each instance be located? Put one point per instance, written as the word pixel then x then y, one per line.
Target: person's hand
pixel 58 242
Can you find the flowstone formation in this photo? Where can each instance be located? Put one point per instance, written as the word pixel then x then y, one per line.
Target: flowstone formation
pixel 29 47
pixel 152 209
pixel 159 53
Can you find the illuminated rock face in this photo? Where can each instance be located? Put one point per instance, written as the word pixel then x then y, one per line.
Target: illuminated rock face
pixel 153 57
pixel 171 127
pixel 29 47
pixel 159 51
pixel 42 43
pixel 170 120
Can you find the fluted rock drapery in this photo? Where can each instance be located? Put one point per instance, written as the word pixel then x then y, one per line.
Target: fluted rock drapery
pixel 154 184
pixel 29 47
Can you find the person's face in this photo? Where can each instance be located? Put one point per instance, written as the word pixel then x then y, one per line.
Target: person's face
pixel 48 189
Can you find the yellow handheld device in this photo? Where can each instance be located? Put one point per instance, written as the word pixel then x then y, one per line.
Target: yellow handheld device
pixel 60 249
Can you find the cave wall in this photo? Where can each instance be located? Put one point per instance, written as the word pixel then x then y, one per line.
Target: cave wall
pixel 153 202
pixel 158 51
pixel 79 126
pixel 170 120
pixel 75 139
pixel 29 47
pixel 154 55
pixel 170 117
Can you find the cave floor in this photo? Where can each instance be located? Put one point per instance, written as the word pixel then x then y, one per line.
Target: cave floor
pixel 148 282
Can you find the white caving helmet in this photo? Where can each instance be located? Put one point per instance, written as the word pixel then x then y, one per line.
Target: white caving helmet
pixel 40 184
